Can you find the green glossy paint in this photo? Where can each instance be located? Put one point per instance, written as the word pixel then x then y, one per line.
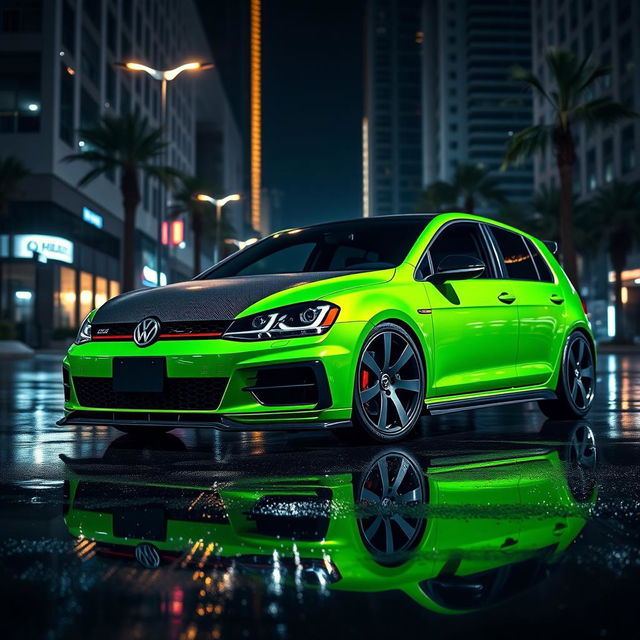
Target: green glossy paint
pixel 473 344
pixel 480 515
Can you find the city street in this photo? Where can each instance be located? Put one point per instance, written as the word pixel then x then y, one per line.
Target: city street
pixel 496 523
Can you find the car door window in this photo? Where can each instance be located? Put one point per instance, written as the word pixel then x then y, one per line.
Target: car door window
pixel 517 261
pixel 544 270
pixel 461 239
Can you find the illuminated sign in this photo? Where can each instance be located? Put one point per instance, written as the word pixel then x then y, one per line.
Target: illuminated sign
pixel 92 217
pixel 49 247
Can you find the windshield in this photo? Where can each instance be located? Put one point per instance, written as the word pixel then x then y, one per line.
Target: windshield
pixel 360 245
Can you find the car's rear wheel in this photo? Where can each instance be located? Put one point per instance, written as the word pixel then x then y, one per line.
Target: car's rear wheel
pixel 389 388
pixel 577 381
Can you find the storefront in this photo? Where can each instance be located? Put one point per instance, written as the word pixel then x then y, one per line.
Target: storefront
pixel 55 266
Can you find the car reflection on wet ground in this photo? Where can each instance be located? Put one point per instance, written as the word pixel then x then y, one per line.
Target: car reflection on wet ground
pixel 495 523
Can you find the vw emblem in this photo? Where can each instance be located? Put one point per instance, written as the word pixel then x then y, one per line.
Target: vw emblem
pixel 147 555
pixel 146 332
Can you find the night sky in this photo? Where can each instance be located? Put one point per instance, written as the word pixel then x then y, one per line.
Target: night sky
pixel 312 100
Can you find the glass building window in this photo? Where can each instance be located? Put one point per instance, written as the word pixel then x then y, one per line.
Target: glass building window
pixel 112 32
pixel 89 110
pixel 102 292
pixel 629 150
pixel 66 105
pixel 19 92
pixel 21 16
pixel 93 10
pixel 607 160
pixel 64 308
pixel 68 28
pixel 86 294
pixel 592 179
pixel 90 58
pixel 114 288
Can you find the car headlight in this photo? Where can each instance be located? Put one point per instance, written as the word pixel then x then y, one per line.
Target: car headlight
pixel 307 319
pixel 84 334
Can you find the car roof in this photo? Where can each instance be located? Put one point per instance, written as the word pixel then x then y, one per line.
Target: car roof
pixel 426 217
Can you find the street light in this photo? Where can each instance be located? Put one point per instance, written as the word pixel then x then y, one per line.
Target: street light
pixel 219 203
pixel 164 76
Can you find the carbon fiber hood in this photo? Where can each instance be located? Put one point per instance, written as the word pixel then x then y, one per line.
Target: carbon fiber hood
pixel 193 300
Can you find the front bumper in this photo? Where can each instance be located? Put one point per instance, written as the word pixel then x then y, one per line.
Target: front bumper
pixel 239 407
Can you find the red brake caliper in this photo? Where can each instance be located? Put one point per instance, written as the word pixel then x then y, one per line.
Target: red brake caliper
pixel 364 380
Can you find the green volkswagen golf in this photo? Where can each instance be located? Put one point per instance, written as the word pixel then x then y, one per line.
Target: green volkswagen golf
pixel 363 324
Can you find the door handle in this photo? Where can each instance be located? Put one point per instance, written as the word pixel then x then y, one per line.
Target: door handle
pixel 556 299
pixel 507 298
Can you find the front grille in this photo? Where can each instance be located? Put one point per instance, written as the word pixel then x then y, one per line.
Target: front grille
pixel 197 394
pixel 168 330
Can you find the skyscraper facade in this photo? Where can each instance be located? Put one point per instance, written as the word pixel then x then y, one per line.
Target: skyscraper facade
pixel 471 106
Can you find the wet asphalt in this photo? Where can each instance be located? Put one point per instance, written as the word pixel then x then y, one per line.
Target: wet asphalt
pixel 493 523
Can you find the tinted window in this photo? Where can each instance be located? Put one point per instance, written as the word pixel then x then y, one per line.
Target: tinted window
pixel 543 268
pixel 461 239
pixel 357 245
pixel 515 255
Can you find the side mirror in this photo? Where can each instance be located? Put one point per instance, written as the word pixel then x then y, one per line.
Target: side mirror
pixel 457 267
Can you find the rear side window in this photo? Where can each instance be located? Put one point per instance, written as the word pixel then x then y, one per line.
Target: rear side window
pixel 516 258
pixel 543 268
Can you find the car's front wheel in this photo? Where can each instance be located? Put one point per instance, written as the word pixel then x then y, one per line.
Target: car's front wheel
pixel 389 388
pixel 577 381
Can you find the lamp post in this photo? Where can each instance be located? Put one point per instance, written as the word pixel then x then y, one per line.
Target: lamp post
pixel 164 76
pixel 219 203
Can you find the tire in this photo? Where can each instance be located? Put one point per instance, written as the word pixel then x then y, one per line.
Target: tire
pixel 389 388
pixel 577 381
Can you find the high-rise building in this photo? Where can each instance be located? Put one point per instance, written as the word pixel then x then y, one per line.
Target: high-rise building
pixel 608 32
pixel 438 94
pixel 58 75
pixel 392 125
pixel 471 106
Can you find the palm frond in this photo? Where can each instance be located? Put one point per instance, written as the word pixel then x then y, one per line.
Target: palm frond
pixel 602 112
pixel 526 143
pixel 522 75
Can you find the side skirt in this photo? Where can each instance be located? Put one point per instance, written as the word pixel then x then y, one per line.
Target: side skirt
pixel 440 407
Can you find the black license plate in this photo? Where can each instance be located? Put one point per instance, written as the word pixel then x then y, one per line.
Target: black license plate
pixel 144 523
pixel 141 375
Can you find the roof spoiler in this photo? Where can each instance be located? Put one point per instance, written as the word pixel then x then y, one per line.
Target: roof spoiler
pixel 552 245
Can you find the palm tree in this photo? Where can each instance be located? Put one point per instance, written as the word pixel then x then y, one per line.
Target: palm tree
pixel 614 217
pixel 573 81
pixel 438 196
pixel 130 144
pixel 471 182
pixel 12 172
pixel 201 215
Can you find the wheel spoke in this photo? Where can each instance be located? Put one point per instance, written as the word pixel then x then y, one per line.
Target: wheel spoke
pixel 369 496
pixel 572 359
pixel 580 350
pixel 387 350
pixel 369 361
pixel 574 388
pixel 370 393
pixel 402 472
pixel 373 527
pixel 587 372
pixel 414 495
pixel 402 414
pixel 389 535
pixel 384 405
pixel 407 529
pixel 384 475
pixel 405 356
pixel 583 393
pixel 408 385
